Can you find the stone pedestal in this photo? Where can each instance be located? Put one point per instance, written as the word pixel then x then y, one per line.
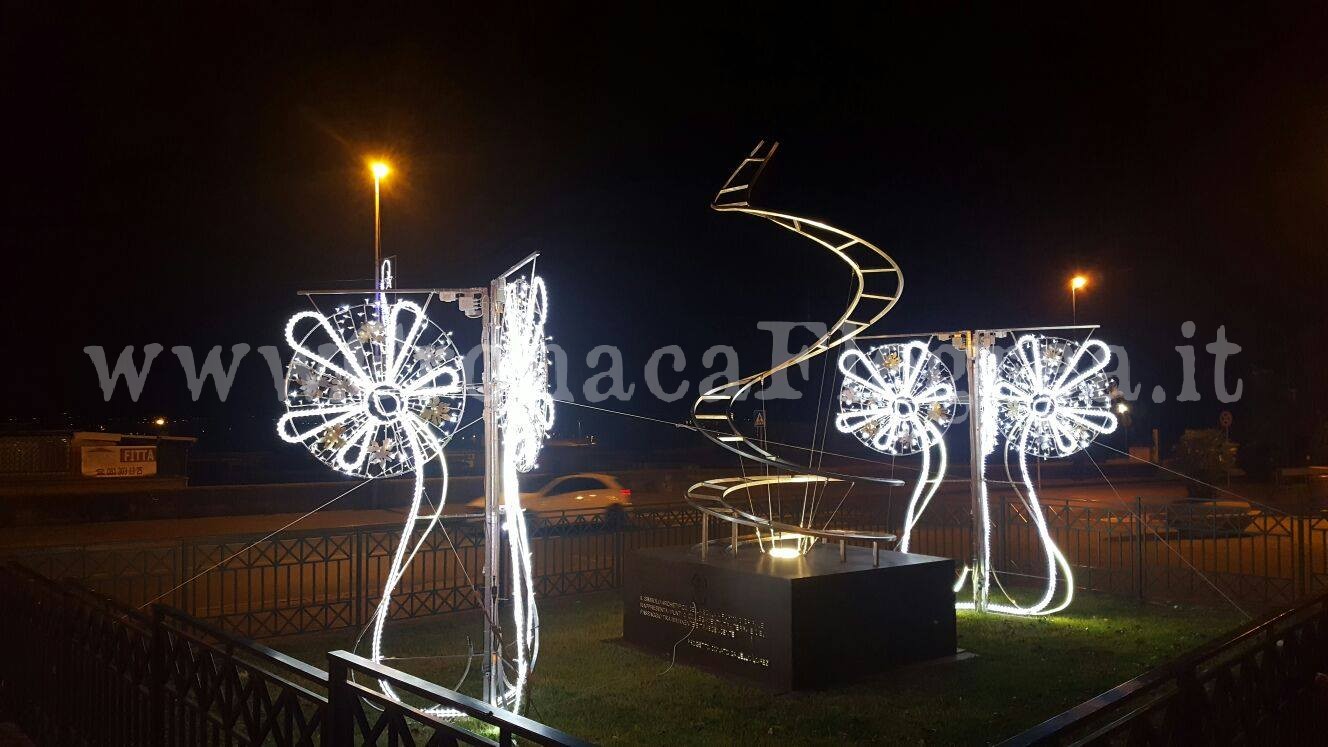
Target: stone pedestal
pixel 790 623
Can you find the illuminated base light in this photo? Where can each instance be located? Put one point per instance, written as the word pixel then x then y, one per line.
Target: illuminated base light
pixel 801 544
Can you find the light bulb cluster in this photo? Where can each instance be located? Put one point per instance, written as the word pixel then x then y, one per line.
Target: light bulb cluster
pixel 525 404
pixel 372 390
pixel 1052 397
pixel 525 415
pixel 897 399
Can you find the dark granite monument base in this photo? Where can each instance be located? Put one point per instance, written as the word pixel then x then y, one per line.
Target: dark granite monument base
pixel 790 623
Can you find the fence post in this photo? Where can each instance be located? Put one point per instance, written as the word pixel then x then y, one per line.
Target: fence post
pixel 357 584
pixel 1139 538
pixel 618 555
pixel 157 668
pixel 1301 540
pixel 180 598
pixel 340 722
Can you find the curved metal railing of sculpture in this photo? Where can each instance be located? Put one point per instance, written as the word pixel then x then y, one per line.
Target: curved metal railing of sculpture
pixel 877 285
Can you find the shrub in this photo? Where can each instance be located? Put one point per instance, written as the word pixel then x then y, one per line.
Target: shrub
pixel 1204 456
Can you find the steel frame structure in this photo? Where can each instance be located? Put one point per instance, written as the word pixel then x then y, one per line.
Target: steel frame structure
pixel 877 285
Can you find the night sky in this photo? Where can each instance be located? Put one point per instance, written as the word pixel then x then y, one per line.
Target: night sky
pixel 176 179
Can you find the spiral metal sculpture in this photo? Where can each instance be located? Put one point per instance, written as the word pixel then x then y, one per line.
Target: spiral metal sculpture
pixel 877 285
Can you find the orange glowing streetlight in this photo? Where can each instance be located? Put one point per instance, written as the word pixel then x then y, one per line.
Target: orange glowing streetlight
pixel 1076 284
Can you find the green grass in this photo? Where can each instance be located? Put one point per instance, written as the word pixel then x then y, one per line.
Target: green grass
pixel 1026 670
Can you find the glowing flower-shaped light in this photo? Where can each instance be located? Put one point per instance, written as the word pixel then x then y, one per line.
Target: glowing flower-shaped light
pixel 361 397
pixel 525 406
pixel 1051 395
pixel 897 398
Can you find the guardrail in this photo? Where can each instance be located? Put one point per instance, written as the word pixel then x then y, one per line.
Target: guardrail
pixel 331 579
pixel 84 669
pixel 1254 687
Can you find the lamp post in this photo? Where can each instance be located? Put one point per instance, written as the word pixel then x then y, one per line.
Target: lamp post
pixel 1076 282
pixel 380 170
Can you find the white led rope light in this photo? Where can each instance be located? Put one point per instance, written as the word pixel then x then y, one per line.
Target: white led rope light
pixel 376 402
pixel 525 416
pixel 899 399
pixel 1049 397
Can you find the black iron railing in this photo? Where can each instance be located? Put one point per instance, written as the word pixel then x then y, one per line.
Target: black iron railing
pixel 331 579
pixel 83 669
pixel 1254 687
pixel 361 712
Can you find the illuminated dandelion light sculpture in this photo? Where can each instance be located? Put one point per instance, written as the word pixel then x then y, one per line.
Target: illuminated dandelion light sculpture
pixel 899 399
pixel 377 390
pixel 383 403
pixel 525 416
pixel 1049 397
pixel 877 284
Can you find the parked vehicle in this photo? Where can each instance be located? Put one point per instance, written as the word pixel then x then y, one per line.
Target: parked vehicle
pixel 584 490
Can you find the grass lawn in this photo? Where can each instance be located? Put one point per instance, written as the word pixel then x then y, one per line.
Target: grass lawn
pixel 1026 670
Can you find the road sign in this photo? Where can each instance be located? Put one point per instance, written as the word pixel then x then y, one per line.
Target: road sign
pixel 760 418
pixel 1225 418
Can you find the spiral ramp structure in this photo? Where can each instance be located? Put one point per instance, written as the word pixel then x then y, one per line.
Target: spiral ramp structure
pixel 877 284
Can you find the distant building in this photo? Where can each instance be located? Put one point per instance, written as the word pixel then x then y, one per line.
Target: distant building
pixel 38 461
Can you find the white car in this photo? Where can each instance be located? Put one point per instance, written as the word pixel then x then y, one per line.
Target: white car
pixel 582 490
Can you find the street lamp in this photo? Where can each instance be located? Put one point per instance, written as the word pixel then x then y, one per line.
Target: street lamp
pixel 1077 282
pixel 380 170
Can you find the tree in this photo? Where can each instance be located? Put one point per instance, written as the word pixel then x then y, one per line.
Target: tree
pixel 1204 456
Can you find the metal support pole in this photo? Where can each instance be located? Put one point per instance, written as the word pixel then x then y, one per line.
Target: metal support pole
pixel 876 555
pixel 492 498
pixel 843 551
pixel 378 233
pixel 705 534
pixel 733 537
pixel 981 561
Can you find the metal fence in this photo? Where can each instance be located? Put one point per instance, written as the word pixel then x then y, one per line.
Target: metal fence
pixel 83 669
pixel 1257 686
pixel 303 581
